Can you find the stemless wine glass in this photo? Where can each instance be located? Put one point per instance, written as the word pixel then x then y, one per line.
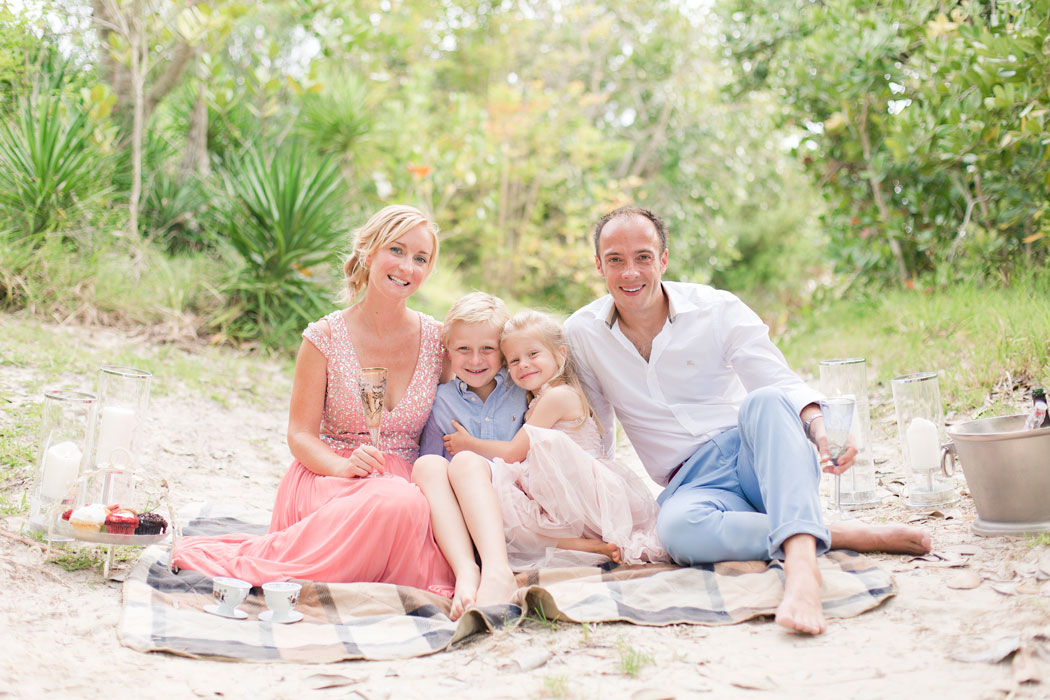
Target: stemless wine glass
pixel 372 388
pixel 838 418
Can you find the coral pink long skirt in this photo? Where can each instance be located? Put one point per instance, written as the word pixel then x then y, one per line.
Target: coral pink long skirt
pixel 333 529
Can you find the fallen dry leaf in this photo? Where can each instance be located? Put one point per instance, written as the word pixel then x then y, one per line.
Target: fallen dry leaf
pixel 964 580
pixel 759 682
pixel 1026 667
pixel 993 654
pixel 963 550
pixel 652 694
pixel 1005 587
pixel 320 681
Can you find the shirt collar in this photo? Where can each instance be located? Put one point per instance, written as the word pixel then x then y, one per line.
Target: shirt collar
pixel 610 314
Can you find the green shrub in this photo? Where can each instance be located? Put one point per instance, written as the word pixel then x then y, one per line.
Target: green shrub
pixel 285 217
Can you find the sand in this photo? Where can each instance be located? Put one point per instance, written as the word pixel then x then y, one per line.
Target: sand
pixel 972 620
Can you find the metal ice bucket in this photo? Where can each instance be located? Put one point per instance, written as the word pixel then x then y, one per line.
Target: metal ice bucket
pixel 1008 472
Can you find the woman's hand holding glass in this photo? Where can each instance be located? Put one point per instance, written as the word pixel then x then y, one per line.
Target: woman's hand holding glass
pixel 364 461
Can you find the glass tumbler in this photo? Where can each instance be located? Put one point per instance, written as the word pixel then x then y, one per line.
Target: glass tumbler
pixel 920 421
pixel 849 377
pixel 123 394
pixel 68 418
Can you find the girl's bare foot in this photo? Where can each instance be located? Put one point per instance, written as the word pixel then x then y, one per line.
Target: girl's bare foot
pixel 497 587
pixel 588 544
pixel 800 609
pixel 893 539
pixel 466 590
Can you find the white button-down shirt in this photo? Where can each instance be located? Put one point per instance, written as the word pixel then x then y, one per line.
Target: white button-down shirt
pixel 711 351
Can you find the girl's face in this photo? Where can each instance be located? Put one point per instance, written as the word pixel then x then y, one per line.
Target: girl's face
pixel 531 363
pixel 399 267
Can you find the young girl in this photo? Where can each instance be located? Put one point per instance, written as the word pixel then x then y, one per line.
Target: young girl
pixel 554 491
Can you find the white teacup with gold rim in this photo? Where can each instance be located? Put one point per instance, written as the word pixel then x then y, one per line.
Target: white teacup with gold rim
pixel 281 598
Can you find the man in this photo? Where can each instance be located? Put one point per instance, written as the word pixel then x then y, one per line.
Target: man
pixel 716 416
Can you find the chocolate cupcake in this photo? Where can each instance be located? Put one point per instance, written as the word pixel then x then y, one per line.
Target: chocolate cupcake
pixel 151 524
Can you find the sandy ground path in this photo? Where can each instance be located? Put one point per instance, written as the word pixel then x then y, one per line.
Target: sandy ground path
pixel 977 598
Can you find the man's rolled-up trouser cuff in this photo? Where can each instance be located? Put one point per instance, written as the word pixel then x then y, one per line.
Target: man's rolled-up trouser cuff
pixel 798 527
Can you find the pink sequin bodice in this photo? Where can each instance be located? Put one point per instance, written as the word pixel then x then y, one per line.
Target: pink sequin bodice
pixel 343 422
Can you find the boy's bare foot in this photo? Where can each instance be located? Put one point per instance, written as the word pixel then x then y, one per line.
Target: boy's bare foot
pixel 498 587
pixel 466 590
pixel 800 609
pixel 588 544
pixel 893 539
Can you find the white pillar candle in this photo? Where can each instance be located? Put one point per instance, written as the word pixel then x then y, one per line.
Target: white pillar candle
pixel 61 467
pixel 924 445
pixel 116 429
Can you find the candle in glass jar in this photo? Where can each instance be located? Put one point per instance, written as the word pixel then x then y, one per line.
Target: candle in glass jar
pixel 924 445
pixel 116 429
pixel 61 466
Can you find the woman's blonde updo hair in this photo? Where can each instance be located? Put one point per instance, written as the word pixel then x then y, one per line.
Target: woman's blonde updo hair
pixel 549 332
pixel 386 225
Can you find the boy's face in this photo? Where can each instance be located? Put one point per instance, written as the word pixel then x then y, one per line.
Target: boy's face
pixel 473 350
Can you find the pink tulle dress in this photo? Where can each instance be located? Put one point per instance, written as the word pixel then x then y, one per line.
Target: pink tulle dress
pixel 337 529
pixel 562 490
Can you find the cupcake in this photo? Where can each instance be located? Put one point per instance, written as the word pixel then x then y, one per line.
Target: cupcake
pixel 89 518
pixel 151 524
pixel 122 521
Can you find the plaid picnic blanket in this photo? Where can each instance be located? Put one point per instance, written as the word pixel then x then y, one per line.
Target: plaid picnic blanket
pixel 165 611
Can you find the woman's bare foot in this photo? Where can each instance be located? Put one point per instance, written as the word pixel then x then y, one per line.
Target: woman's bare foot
pixel 800 609
pixel 498 587
pixel 594 546
pixel 893 539
pixel 466 590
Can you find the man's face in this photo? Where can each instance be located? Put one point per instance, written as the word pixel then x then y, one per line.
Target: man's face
pixel 631 262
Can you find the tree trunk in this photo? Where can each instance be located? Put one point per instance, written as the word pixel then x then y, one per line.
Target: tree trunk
pixel 195 156
pixel 876 193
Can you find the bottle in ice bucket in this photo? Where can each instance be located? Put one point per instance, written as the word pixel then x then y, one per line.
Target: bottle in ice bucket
pixel 1038 417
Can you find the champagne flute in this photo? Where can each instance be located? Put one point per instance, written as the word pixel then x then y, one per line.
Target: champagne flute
pixel 372 388
pixel 838 417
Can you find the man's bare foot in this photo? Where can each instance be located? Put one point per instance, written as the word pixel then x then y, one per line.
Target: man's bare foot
pixel 594 546
pixel 800 609
pixel 466 590
pixel 498 587
pixel 893 539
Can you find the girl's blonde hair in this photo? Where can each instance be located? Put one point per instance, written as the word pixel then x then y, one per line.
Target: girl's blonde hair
pixel 549 332
pixel 386 225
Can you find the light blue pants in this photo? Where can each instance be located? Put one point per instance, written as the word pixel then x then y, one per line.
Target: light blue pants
pixel 746 491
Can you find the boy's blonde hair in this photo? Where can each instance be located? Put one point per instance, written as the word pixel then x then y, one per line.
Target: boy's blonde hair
pixel 476 307
pixel 386 225
pixel 550 333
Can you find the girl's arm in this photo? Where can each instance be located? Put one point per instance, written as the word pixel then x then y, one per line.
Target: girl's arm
pixel 558 403
pixel 304 422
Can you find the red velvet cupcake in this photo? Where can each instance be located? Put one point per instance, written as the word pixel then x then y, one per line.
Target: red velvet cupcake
pixel 122 521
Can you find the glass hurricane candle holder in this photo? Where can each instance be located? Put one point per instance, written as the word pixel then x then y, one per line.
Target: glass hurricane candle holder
pixel 849 377
pixel 67 421
pixel 920 421
pixel 123 395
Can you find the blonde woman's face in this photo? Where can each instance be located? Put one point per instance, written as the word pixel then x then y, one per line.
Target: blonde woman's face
pixel 399 267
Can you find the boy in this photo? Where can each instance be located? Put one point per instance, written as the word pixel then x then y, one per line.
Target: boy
pixel 481 397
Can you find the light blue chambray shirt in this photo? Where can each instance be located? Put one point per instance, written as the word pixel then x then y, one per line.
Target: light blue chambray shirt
pixel 497 418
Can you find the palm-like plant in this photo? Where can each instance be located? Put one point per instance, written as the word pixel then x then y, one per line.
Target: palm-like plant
pixel 286 217
pixel 45 153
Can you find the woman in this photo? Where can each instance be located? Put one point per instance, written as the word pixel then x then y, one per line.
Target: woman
pixel 346 511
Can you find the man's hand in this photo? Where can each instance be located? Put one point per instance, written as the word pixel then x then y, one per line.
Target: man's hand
pixel 819 436
pixel 457 441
